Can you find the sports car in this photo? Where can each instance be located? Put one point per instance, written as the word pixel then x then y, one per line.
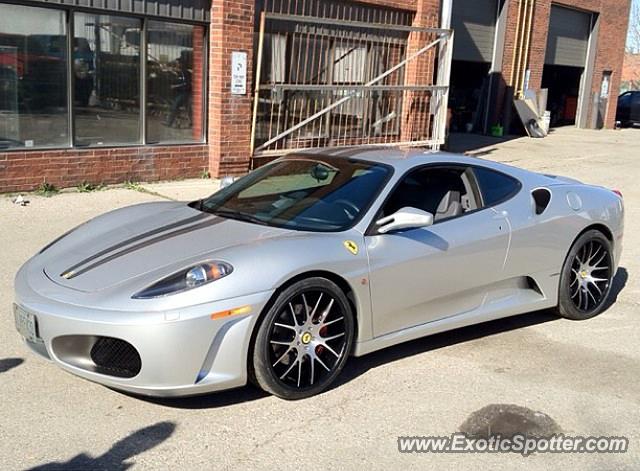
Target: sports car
pixel 313 258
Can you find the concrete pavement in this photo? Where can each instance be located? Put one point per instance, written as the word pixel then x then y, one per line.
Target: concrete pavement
pixel 585 376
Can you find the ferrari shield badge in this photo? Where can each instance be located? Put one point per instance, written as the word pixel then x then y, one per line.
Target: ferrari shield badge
pixel 351 246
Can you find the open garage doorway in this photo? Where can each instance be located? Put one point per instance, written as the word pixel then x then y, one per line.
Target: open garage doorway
pixel 467 100
pixel 565 62
pixel 563 83
pixel 474 24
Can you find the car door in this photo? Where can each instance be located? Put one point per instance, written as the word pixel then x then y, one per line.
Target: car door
pixel 624 107
pixel 635 108
pixel 423 275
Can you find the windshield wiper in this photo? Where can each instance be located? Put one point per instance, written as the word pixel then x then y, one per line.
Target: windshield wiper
pixel 226 213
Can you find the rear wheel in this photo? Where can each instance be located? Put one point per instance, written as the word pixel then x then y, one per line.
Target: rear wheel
pixel 304 340
pixel 586 277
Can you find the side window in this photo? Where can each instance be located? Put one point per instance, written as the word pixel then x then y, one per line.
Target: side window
pixel 624 100
pixel 445 192
pixel 495 187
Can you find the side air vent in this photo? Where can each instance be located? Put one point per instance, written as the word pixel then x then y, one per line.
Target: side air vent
pixel 533 285
pixel 541 199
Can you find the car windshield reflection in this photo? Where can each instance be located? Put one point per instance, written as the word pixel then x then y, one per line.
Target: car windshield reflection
pixel 303 193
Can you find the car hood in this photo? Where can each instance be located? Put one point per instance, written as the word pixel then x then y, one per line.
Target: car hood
pixel 135 241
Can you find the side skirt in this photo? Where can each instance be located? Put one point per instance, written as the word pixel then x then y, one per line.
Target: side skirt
pixel 527 301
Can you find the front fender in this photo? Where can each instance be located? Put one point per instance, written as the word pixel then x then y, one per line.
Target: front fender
pixel 285 258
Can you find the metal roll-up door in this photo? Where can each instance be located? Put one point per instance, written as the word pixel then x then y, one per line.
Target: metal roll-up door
pixel 474 23
pixel 568 41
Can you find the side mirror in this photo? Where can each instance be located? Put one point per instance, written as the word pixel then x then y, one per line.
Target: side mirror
pixel 227 181
pixel 405 218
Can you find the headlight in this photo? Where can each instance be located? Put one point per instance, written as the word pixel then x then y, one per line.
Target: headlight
pixel 186 279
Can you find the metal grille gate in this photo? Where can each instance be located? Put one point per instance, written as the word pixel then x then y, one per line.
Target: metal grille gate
pixel 331 73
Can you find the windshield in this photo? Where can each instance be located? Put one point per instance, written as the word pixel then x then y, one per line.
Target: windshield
pixel 302 193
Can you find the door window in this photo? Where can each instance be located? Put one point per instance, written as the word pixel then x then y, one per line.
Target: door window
pixel 445 192
pixel 450 192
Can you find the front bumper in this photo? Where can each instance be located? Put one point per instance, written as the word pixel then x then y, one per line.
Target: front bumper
pixel 183 351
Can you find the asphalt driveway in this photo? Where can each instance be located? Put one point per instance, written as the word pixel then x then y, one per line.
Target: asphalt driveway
pixel 583 376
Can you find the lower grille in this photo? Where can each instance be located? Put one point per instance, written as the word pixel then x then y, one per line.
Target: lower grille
pixel 115 357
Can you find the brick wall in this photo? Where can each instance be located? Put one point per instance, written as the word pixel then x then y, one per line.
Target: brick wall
pixel 611 45
pixel 232 29
pixel 416 110
pixel 228 124
pixel 229 116
pixel 631 71
pixel 20 171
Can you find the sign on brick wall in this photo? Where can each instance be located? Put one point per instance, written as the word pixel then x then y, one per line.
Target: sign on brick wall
pixel 238 73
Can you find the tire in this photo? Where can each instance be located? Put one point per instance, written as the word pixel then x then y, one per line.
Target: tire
pixel 586 277
pixel 303 341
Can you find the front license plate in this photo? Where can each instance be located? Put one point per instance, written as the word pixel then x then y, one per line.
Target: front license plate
pixel 26 323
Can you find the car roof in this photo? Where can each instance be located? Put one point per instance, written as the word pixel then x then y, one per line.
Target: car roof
pixel 401 159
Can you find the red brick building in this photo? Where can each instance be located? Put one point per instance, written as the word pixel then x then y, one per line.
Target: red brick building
pixel 141 91
pixel 631 72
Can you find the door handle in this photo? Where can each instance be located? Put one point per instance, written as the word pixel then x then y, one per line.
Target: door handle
pixel 501 215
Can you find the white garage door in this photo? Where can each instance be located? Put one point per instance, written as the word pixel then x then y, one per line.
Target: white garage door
pixel 568 41
pixel 474 23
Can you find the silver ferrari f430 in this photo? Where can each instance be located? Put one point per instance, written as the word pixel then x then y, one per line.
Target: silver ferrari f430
pixel 281 276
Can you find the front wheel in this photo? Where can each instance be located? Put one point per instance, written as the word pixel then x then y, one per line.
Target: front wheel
pixel 586 277
pixel 304 340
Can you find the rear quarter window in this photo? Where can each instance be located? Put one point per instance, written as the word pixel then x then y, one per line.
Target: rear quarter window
pixel 495 187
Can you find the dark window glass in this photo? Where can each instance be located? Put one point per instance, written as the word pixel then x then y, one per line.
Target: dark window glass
pixel 426 189
pixel 106 67
pixel 33 90
pixel 624 100
pixel 302 193
pixel 175 63
pixel 495 187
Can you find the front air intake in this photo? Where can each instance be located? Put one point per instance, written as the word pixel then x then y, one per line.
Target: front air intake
pixel 115 357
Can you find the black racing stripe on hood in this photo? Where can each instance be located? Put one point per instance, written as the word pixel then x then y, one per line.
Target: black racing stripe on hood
pixel 144 244
pixel 137 238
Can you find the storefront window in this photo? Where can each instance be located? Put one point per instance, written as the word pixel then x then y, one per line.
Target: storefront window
pixel 33 90
pixel 175 59
pixel 106 67
pixel 102 65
